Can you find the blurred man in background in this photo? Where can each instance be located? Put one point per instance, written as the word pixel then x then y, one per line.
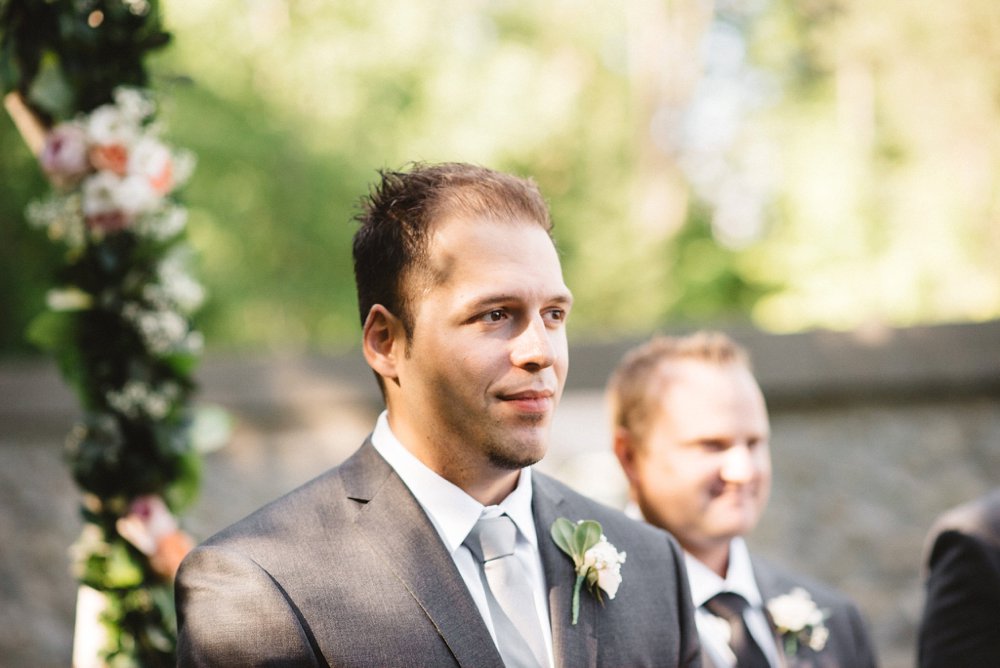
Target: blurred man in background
pixel 691 432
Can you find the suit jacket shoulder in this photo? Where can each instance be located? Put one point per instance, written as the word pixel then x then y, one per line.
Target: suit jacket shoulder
pixel 849 644
pixel 346 570
pixel 959 621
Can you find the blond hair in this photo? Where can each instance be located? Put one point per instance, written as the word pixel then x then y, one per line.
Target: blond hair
pixel 638 380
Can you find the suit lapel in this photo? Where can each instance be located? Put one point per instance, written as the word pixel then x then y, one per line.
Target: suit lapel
pixel 572 645
pixel 770 585
pixel 772 582
pixel 397 529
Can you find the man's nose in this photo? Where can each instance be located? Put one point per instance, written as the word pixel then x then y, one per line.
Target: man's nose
pixel 738 464
pixel 532 347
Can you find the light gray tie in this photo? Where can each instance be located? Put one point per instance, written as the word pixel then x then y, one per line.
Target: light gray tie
pixel 508 592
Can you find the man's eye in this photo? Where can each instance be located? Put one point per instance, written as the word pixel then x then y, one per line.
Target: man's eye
pixel 557 314
pixel 495 315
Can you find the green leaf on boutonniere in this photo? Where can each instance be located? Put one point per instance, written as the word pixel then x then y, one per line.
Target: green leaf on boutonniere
pixel 575 540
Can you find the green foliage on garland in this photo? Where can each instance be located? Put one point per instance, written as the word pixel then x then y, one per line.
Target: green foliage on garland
pixel 68 56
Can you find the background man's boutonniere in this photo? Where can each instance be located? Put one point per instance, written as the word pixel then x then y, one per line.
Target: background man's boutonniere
pixel 597 562
pixel 799 620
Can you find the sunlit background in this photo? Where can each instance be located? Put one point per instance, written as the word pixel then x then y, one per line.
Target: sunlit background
pixel 767 167
pixel 785 164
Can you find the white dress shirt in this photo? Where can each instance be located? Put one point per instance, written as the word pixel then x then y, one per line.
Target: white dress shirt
pixel 453 513
pixel 713 631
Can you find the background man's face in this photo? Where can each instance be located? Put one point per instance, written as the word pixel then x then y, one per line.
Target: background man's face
pixel 488 358
pixel 704 469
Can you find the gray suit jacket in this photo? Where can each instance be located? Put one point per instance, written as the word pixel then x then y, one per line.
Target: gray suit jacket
pixel 347 570
pixel 848 646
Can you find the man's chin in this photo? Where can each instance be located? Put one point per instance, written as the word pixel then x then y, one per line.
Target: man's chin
pixel 515 457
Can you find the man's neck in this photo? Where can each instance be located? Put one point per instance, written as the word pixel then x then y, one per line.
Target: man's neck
pixel 714 555
pixel 484 482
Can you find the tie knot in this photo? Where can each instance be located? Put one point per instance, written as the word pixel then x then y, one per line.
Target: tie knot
pixel 492 538
pixel 728 605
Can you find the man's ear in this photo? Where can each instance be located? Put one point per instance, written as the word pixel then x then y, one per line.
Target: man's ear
pixel 383 340
pixel 625 450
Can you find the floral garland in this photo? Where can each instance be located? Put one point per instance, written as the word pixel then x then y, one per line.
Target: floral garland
pixel 119 319
pixel 120 326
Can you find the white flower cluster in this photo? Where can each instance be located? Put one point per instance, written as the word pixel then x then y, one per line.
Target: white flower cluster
pixel 175 286
pixel 606 561
pixel 114 172
pixel 163 331
pixel 61 216
pixel 796 614
pixel 137 399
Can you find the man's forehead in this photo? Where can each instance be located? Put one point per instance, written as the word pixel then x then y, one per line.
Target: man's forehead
pixel 447 242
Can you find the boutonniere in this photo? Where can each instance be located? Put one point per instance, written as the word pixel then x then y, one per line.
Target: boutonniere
pixel 597 562
pixel 799 620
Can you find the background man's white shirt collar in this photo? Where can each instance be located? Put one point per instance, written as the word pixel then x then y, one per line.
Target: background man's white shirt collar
pixel 706 583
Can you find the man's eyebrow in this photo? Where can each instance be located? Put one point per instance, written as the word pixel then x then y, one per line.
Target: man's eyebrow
pixel 562 299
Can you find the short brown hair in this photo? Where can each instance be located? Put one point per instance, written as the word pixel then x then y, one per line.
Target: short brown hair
pixel 638 380
pixel 399 212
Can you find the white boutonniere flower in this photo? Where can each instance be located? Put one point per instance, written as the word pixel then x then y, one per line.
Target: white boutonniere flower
pixel 799 620
pixel 597 562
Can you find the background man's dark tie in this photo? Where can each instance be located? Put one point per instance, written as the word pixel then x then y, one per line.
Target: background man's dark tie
pixel 730 607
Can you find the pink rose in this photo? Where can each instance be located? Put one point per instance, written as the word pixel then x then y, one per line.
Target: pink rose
pixel 64 156
pixel 151 528
pixel 110 157
pixel 152 160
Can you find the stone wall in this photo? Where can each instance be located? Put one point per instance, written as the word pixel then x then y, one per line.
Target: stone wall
pixel 874 434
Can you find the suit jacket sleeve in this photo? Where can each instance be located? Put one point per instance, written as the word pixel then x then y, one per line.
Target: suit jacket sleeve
pixel 959 625
pixel 864 648
pixel 217 591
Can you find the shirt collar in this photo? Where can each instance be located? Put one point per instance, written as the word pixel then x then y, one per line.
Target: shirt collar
pixel 452 512
pixel 705 583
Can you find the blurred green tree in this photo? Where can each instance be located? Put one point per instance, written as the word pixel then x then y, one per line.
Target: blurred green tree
pixel 858 184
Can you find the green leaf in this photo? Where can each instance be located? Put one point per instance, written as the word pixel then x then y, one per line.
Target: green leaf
pixel 562 533
pixel 51 331
pixel 183 490
pixel 50 90
pixel 586 536
pixel 122 568
pixel 211 429
pixel 182 363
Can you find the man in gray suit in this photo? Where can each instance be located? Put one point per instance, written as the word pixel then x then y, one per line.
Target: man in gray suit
pixel 380 561
pixel 691 432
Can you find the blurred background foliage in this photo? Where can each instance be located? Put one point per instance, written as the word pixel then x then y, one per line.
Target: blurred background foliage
pixel 788 163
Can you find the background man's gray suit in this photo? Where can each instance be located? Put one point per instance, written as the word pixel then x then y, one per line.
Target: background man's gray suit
pixel 348 571
pixel 849 644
